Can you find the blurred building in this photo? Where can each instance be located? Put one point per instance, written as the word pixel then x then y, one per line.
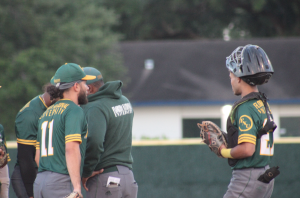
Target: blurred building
pixel 175 84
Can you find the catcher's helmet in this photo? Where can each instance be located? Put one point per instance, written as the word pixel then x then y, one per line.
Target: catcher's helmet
pixel 250 63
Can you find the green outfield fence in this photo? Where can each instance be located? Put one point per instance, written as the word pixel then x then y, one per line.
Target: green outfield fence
pixel 187 169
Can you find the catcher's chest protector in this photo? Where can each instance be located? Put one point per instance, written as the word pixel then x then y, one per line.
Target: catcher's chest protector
pixel 233 132
pixel 232 137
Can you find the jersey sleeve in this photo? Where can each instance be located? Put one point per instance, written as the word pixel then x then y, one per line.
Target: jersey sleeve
pixel 95 140
pixel 26 127
pixel 247 123
pixel 74 125
pixel 38 140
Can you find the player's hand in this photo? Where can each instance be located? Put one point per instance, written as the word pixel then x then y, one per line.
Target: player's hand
pixel 84 179
pixel 222 147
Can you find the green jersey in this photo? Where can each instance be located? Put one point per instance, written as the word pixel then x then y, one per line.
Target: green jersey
pixel 63 122
pixel 250 117
pixel 26 123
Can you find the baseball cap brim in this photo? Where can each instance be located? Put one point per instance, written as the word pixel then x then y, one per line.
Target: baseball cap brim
pixel 88 77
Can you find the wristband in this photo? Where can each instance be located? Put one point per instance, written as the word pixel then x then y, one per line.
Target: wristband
pixel 226 153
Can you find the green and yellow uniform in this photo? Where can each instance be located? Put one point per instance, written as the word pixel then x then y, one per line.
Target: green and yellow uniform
pixel 26 124
pixel 63 122
pixel 246 124
pixel 26 127
pixel 250 117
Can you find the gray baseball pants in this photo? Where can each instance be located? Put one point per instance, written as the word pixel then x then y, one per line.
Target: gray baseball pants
pixel 50 184
pixel 4 179
pixel 17 183
pixel 128 187
pixel 244 184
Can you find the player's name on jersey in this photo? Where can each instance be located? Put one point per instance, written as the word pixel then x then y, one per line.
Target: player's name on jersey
pixel 123 109
pixel 55 109
pixel 259 105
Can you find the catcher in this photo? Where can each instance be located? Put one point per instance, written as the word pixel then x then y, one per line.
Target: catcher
pixel 249 144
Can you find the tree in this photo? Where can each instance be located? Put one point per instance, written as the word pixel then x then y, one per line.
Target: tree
pixel 267 18
pixel 206 19
pixel 170 19
pixel 39 36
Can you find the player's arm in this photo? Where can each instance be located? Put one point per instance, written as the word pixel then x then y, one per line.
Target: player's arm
pixel 37 154
pixel 74 125
pixel 26 150
pixel 247 135
pixel 73 159
pixel 240 151
pixel 95 140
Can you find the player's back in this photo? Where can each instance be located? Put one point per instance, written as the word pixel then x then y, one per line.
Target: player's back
pixel 63 122
pixel 250 117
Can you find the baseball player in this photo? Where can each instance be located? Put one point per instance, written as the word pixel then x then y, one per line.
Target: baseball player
pixel 26 127
pixel 61 138
pixel 109 115
pixel 4 173
pixel 250 125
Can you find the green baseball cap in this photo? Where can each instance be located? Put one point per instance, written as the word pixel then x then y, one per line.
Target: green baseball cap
pixel 70 72
pixel 94 72
pixel 52 80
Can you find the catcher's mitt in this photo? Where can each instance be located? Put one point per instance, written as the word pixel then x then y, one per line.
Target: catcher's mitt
pixel 3 156
pixel 212 135
pixel 74 195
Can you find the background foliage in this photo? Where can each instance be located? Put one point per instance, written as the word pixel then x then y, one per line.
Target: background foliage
pixel 194 19
pixel 37 36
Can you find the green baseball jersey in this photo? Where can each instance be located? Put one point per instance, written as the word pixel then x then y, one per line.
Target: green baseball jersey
pixel 63 122
pixel 3 141
pixel 109 115
pixel 250 117
pixel 26 123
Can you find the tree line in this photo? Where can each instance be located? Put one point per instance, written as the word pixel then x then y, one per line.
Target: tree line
pixel 38 36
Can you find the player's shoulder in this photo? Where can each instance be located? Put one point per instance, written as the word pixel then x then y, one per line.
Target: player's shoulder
pixel 251 106
pixel 71 107
pixel 96 104
pixel 34 105
pixel 251 110
pixel 27 116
